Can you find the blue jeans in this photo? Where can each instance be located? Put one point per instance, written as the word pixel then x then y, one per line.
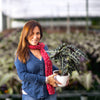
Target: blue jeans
pixel 50 97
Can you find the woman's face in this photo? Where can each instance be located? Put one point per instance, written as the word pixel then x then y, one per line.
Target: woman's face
pixel 35 37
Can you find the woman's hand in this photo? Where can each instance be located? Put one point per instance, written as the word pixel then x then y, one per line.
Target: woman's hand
pixel 52 81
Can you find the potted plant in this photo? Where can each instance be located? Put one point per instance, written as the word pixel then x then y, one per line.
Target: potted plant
pixel 70 58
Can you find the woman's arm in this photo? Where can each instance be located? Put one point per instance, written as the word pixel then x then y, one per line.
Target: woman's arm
pixel 25 76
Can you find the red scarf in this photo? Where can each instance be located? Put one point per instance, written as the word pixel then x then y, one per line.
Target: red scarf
pixel 48 64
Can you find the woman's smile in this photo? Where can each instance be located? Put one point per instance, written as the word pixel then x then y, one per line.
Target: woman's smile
pixel 35 37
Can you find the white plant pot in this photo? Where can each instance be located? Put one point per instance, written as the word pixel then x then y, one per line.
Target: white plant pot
pixel 61 79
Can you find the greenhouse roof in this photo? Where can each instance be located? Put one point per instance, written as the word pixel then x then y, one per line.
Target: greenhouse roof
pixel 49 8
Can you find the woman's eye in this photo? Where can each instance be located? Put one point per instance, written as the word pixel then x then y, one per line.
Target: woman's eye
pixel 38 33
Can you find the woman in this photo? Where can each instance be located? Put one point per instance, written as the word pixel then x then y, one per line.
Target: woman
pixel 34 66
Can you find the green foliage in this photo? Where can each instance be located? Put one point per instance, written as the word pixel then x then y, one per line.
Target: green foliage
pixel 86 42
pixel 8 77
pixel 96 21
pixel 85 79
pixel 69 57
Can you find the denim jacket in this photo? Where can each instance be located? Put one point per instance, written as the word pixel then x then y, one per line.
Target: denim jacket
pixel 32 75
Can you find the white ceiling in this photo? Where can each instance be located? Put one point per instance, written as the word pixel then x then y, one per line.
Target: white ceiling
pixel 49 8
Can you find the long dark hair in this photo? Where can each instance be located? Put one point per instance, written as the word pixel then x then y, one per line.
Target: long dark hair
pixel 23 50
